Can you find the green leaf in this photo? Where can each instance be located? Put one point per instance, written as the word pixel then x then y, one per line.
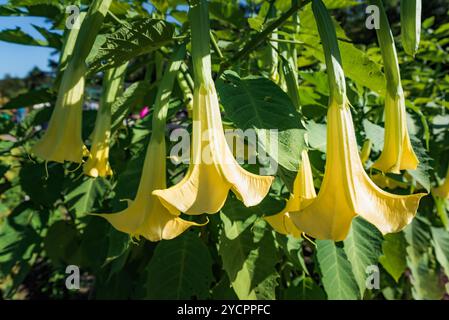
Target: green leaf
pixel 29 98
pixel 42 189
pixel 93 249
pixel 292 248
pixel 440 238
pixel 127 102
pixel 304 288
pixel 357 64
pixel 53 39
pixel 84 194
pixel 249 259
pixel 394 258
pixel 41 8
pixel 316 136
pixel 337 276
pixel 259 104
pixel 18 240
pixel 180 269
pixel 425 278
pixel 228 12
pixel 363 248
pixel 131 40
pixel 422 173
pixel 61 241
pixel 375 134
pixel 20 37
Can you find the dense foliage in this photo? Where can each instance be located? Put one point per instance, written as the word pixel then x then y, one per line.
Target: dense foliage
pixel 45 206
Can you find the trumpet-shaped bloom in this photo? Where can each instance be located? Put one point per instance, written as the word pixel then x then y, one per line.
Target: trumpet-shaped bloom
pixel 146 216
pixel 213 171
pixel 397 153
pixel 98 162
pixel 62 140
pixel 443 190
pixel 303 189
pixel 347 191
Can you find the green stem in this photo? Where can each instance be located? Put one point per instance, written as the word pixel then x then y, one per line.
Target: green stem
pixel 262 36
pixel 215 45
pixel 441 210
pixel 112 87
pixel 164 94
pixel 388 50
pixel 328 35
pixel 89 30
pixel 200 38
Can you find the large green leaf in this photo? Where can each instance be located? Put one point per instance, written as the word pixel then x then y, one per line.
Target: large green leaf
pixel 440 238
pixel 357 64
pixel 259 104
pixel 19 242
pixel 337 276
pixel 127 102
pixel 394 258
pixel 363 248
pixel 131 40
pixel 421 261
pixel 180 269
pixel 20 37
pixel 83 194
pixel 42 182
pixel 60 243
pixel 29 98
pixel 249 257
pixel 304 288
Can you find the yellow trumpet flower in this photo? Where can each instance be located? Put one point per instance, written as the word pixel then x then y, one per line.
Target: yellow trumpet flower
pixel 213 171
pixel 347 191
pixel 98 163
pixel 443 190
pixel 146 216
pixel 397 153
pixel 62 140
pixel 303 189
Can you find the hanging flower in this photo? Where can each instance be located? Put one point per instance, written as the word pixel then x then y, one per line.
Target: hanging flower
pixel 397 153
pixel 213 171
pixel 62 140
pixel 347 191
pixel 303 189
pixel 145 215
pixel 98 163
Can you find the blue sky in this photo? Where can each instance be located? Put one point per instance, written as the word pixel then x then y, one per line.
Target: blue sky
pixel 18 60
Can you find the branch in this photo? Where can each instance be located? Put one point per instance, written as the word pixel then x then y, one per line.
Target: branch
pixel 261 37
